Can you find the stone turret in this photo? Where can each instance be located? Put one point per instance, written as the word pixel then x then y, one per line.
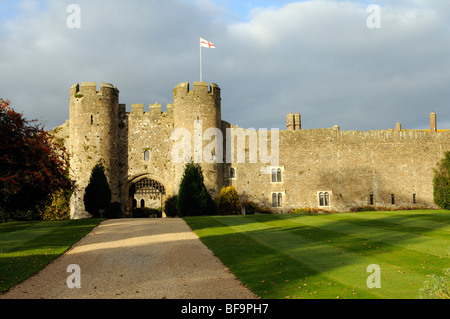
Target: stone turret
pixel 94 125
pixel 192 109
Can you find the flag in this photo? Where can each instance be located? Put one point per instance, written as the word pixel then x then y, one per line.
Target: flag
pixel 206 44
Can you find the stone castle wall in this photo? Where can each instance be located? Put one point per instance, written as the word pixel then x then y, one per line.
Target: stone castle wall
pixel 352 168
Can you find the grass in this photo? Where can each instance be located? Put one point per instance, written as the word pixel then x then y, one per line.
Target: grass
pixel 325 256
pixel 27 247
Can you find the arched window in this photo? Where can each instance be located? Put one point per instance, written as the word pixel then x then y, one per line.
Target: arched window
pixel 279 175
pixel 327 199
pixel 142 203
pixel 274 175
pixel 232 173
pixel 321 199
pixel 146 155
pixel 274 200
pixel 280 200
pixel 392 199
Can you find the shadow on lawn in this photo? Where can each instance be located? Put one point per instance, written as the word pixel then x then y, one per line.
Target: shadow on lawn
pixel 293 248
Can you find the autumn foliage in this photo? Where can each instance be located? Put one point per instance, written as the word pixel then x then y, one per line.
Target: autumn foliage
pixel 32 166
pixel 228 201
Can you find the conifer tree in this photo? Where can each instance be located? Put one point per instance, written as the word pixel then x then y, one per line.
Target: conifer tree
pixel 193 197
pixel 98 194
pixel 441 183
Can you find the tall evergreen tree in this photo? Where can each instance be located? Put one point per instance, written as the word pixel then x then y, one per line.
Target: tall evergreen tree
pixel 441 183
pixel 193 197
pixel 98 194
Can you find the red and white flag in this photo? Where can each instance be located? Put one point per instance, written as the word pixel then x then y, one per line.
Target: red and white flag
pixel 206 44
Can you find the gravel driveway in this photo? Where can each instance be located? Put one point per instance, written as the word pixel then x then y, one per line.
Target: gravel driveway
pixel 137 258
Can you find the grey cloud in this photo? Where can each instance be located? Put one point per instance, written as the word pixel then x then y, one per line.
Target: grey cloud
pixel 317 58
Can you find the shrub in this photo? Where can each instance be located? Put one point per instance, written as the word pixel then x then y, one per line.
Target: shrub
pixel 252 208
pixel 228 202
pixel 441 183
pixel 171 206
pixel 32 165
pixel 308 210
pixel 98 193
pixel 362 209
pixel 57 207
pixel 193 197
pixel 114 210
pixel 437 287
pixel 299 211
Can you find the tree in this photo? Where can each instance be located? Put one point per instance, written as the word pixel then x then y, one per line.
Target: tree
pixel 193 197
pixel 228 201
pixel 98 194
pixel 441 183
pixel 32 165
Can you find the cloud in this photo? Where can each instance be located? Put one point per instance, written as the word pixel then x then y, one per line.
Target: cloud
pixel 317 58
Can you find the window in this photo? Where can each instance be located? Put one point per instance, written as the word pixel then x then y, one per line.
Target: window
pixel 414 199
pixel 142 203
pixel 276 175
pixel 232 173
pixel 277 200
pixel 279 175
pixel 371 199
pixel 324 199
pixel 92 120
pixel 327 199
pixel 392 199
pixel 146 155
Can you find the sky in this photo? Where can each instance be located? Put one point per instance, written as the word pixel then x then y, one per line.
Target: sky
pixel 331 61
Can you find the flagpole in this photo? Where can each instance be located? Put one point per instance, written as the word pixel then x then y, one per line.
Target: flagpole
pixel 200 60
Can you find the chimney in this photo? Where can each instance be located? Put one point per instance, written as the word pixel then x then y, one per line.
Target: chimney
pixel 433 126
pixel 290 122
pixel 297 122
pixel 398 127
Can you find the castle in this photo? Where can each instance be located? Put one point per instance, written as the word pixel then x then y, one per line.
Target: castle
pixel 331 169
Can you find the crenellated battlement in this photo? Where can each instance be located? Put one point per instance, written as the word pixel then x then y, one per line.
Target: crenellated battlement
pixel 199 88
pixel 154 111
pixel 90 88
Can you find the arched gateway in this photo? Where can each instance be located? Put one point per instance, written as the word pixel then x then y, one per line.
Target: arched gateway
pixel 145 191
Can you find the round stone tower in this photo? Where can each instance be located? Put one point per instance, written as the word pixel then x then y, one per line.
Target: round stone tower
pixel 198 111
pixel 93 139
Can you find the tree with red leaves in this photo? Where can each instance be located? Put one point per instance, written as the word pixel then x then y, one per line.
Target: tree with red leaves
pixel 32 166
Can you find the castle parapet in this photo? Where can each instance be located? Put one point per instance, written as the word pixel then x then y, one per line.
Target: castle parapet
pixel 199 88
pixel 155 112
pixel 90 88
pixel 137 109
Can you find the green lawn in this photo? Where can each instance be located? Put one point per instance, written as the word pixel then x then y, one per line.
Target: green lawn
pixel 327 255
pixel 27 247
